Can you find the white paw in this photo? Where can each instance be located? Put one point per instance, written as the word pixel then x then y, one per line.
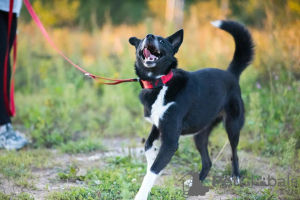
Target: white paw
pixel 141 196
pixel 235 180
pixel 188 183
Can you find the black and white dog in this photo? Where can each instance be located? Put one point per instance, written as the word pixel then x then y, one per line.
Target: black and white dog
pixel 179 103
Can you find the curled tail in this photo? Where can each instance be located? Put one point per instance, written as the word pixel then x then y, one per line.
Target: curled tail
pixel 244 47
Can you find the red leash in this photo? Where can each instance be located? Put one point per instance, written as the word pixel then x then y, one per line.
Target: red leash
pixel 44 32
pixel 9 102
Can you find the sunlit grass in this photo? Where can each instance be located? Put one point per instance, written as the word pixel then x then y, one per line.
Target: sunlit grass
pixel 55 101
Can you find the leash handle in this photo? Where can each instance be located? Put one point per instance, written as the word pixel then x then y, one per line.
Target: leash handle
pixel 44 32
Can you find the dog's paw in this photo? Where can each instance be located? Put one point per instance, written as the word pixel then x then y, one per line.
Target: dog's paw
pixel 141 196
pixel 188 183
pixel 235 180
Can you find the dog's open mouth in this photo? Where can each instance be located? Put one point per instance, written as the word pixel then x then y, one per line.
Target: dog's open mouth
pixel 150 53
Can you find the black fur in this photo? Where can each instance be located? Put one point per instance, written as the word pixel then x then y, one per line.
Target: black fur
pixel 201 99
pixel 177 83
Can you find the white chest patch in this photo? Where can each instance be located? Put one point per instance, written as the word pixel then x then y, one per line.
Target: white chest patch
pixel 158 108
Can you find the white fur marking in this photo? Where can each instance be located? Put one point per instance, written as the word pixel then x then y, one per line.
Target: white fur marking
pixel 216 23
pixel 158 108
pixel 147 184
pixel 150 156
pixel 149 74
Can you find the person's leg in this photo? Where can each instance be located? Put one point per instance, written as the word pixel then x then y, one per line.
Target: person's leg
pixel 4 116
pixel 9 139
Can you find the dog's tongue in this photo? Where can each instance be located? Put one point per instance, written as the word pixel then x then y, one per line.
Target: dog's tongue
pixel 147 53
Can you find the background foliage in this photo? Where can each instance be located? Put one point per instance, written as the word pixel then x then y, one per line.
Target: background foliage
pixel 56 104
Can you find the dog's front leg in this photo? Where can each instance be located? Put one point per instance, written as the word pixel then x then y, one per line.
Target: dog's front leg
pixel 150 150
pixel 168 148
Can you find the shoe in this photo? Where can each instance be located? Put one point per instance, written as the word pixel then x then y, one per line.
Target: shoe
pixel 11 140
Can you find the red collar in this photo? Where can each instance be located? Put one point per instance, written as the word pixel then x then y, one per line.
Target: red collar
pixel 157 82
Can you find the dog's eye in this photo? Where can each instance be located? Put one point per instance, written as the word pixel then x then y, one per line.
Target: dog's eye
pixel 161 41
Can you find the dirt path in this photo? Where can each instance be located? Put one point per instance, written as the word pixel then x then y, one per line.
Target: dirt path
pixel 46 180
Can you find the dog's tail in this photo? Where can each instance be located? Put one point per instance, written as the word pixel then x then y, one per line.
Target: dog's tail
pixel 244 47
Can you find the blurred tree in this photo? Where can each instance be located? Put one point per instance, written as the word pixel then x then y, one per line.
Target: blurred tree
pixel 294 9
pixel 255 12
pixel 55 12
pixel 157 8
pixel 294 6
pixel 206 10
pixel 91 13
pixel 248 11
pixel 174 13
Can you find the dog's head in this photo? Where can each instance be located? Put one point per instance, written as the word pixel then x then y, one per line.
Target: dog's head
pixel 155 54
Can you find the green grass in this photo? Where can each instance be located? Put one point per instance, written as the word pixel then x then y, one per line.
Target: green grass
pixel 120 179
pixel 4 196
pixel 248 194
pixel 82 146
pixel 57 104
pixel 18 165
pixel 24 182
pixel 21 196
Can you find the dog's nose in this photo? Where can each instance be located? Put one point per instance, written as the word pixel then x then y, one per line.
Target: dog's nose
pixel 150 36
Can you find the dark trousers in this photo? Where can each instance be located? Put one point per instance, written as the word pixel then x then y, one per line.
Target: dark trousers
pixel 4 116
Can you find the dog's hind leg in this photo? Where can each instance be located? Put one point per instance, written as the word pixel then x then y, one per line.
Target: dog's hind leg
pixel 150 150
pixel 201 142
pixel 169 144
pixel 233 122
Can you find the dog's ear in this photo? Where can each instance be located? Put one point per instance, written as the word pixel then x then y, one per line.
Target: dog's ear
pixel 134 41
pixel 176 40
